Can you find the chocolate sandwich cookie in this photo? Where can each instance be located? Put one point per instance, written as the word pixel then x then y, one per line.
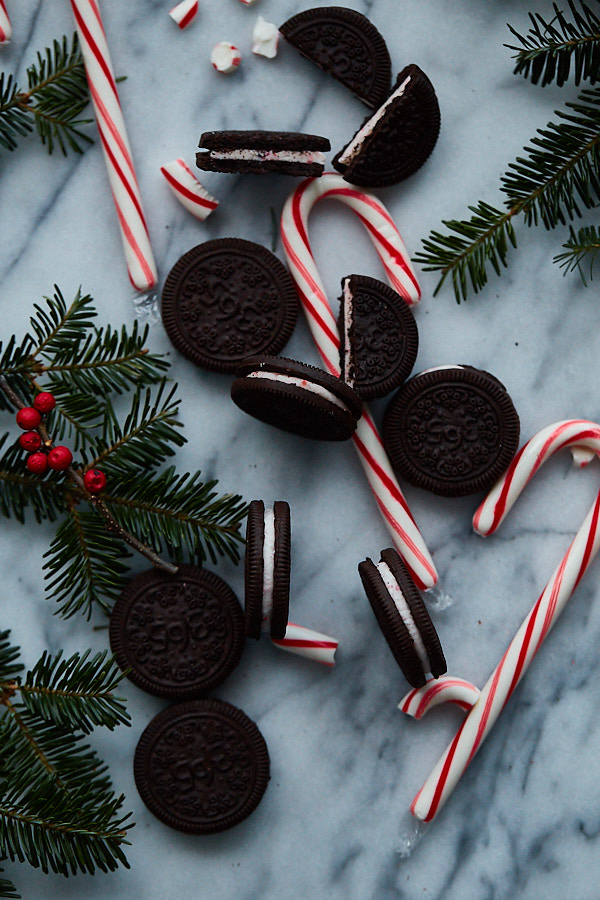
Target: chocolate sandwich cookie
pixel 346 44
pixel 228 299
pixel 202 766
pixel 267 569
pixel 403 617
pixel 395 141
pixel 296 397
pixel 451 430
pixel 379 337
pixel 177 636
pixel 261 152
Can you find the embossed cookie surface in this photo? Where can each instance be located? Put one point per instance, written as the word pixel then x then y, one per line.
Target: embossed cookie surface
pixel 380 337
pixel 451 430
pixel 202 766
pixel 178 635
pixel 346 44
pixel 228 299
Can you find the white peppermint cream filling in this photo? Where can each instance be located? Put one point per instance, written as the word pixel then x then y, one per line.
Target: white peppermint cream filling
pixel 440 369
pixel 268 569
pixel 395 592
pixel 348 315
pixel 367 129
pixel 301 383
pixel 294 156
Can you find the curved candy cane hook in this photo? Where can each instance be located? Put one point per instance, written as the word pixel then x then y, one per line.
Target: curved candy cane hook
pixel 583 439
pixel 394 256
pixel 5 25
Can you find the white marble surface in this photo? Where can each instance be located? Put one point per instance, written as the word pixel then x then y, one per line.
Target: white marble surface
pixel 345 763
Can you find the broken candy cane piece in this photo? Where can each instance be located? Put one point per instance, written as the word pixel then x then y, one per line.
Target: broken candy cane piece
pixel 184 13
pixel 225 58
pixel 188 189
pixel 396 262
pixel 544 613
pixel 248 2
pixel 265 39
pixel 308 643
pixel 5 25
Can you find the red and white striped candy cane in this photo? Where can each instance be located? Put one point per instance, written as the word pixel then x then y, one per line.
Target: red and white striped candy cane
pixel 188 189
pixel 308 643
pixel 584 440
pixel 394 256
pixel 113 136
pixel 5 25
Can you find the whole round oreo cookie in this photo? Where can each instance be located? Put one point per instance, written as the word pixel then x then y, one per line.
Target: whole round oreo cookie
pixel 179 636
pixel 228 299
pixel 201 766
pixel 346 44
pixel 380 337
pixel 296 397
pixel 451 430
pixel 267 569
pixel 403 617
pixel 394 142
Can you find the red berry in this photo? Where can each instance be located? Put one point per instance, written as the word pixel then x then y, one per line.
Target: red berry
pixel 44 402
pixel 30 440
pixel 60 458
pixel 37 462
pixel 28 418
pixel 94 480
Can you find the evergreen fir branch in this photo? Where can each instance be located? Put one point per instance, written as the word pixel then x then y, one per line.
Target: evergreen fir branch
pixel 57 325
pixel 548 48
pixel 19 490
pixel 560 175
pixel 53 103
pixel 58 85
pixel 466 251
pixel 76 692
pixel 179 514
pixel 7 888
pixel 9 669
pixel 147 437
pixel 84 564
pixel 562 170
pixel 581 250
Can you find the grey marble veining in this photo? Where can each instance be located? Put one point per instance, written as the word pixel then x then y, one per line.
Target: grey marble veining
pixel 334 822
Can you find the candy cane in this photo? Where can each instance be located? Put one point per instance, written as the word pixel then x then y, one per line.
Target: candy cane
pixel 394 256
pixel 188 189
pixel 5 25
pixel 308 643
pixel 184 13
pixel 584 439
pixel 113 136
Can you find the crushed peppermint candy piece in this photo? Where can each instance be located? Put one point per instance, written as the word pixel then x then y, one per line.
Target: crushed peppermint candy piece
pixel 265 39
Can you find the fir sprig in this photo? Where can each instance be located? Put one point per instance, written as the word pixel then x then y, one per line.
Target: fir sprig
pixel 56 96
pixel 58 810
pixel 559 176
pixel 549 48
pixel 144 506
pixel 581 250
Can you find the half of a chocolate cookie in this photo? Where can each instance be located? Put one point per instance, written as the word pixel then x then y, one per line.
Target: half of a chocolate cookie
pixel 396 140
pixel 202 766
pixel 403 617
pixel 379 337
pixel 267 569
pixel 346 44
pixel 262 152
pixel 296 397
pixel 227 299
pixel 177 636
pixel 451 430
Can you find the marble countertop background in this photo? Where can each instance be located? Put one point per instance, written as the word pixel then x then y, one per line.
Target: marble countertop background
pixel 525 820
